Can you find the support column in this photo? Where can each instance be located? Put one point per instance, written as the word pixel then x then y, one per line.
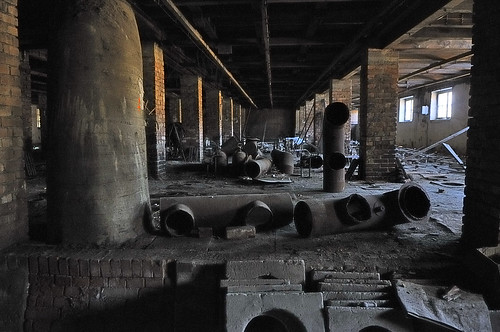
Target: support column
pixel 13 206
pixel 482 191
pixel 237 121
pixel 319 112
pixel 341 91
pixel 25 72
pixel 173 107
pixel 378 110
pixel 154 99
pixel 227 118
pixel 192 116
pixel 212 120
pixel 97 189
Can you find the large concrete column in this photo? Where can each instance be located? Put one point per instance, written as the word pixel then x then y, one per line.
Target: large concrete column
pixel 482 191
pixel 154 103
pixel 341 91
pixel 227 117
pixel 378 113
pixel 13 207
pixel 97 175
pixel 212 119
pixel 192 115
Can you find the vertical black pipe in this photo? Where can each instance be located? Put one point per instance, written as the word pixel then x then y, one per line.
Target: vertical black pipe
pixel 336 115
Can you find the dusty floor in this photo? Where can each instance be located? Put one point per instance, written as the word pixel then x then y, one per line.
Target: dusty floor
pixel 414 250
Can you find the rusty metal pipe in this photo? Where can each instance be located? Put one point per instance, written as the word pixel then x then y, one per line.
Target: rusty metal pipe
pixel 336 116
pixel 283 161
pixel 181 215
pixel 357 212
pixel 258 167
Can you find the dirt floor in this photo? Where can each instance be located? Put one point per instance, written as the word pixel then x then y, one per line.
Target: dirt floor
pixel 414 250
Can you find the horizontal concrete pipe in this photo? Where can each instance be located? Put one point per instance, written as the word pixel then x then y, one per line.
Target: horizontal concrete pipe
pixel 356 212
pixel 180 215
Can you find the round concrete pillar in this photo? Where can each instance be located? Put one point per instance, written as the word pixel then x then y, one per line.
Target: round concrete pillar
pixel 97 170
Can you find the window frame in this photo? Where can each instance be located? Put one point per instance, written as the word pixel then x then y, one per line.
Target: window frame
pixel 437 112
pixel 404 115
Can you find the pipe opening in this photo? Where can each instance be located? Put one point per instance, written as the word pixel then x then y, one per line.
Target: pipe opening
pixel 258 213
pixel 252 169
pixel 357 208
pixel 337 113
pixel 337 161
pixel 303 219
pixel 266 323
pixel 178 220
pixel 414 202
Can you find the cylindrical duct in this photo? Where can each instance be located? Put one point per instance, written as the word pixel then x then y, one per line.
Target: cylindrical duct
pixel 283 161
pixel 258 167
pixel 355 212
pixel 97 169
pixel 180 215
pixel 251 146
pixel 336 115
pixel 230 146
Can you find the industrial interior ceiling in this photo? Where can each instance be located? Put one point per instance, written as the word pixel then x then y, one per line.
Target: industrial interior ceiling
pixel 276 54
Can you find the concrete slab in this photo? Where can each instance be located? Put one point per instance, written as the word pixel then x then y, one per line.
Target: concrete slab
pixel 264 288
pixel 289 311
pixel 319 275
pixel 345 319
pixel 356 295
pixel 354 287
pixel 250 282
pixel 293 270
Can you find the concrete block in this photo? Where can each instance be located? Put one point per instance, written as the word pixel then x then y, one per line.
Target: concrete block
pixel 240 232
pixel 346 319
pixel 250 282
pixel 361 303
pixel 355 295
pixel 320 275
pixel 293 270
pixel 264 288
pixel 283 311
pixel 205 232
pixel 354 287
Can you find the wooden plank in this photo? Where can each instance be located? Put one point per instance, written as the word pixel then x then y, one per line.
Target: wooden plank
pixel 446 139
pixel 452 152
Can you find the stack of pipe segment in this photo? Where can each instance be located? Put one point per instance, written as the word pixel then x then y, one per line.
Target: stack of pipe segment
pixel 181 215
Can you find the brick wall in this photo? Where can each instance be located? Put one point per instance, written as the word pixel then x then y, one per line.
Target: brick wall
pixel 482 192
pixel 320 103
pixel 97 293
pixel 227 118
pixel 13 206
pixel 192 116
pixel 154 102
pixel 378 111
pixel 212 117
pixel 341 91
pixel 25 72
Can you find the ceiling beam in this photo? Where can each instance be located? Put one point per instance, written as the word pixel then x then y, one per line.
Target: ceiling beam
pixel 429 20
pixel 436 65
pixel 172 9
pixel 267 49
